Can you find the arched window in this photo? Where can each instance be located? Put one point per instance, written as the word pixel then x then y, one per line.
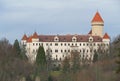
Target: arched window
pixel 74 39
pixel 56 39
pixel 90 39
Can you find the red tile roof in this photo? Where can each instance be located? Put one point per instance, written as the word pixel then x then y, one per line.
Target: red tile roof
pixel 90 32
pixel 106 36
pixel 68 38
pixel 24 37
pixel 97 18
pixel 63 38
pixel 29 39
pixel 35 35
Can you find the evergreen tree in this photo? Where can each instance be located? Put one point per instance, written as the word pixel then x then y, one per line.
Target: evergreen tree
pixel 41 58
pixel 17 47
pixel 19 51
pixel 95 57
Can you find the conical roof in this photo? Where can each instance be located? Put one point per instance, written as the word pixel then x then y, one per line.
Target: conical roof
pixel 24 37
pixel 35 35
pixel 106 36
pixel 97 18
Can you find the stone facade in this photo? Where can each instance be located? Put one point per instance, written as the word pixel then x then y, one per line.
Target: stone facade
pixel 60 46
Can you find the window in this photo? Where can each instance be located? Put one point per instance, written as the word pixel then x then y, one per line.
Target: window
pixel 33 50
pixel 83 50
pixel 87 44
pixel 65 44
pixel 50 44
pixel 87 51
pixel 83 44
pixel 46 50
pixel 61 51
pixel 56 44
pixel 36 44
pixel 72 44
pixel 56 56
pixel 98 45
pixel 74 39
pixel 56 51
pixel 76 44
pixel 90 44
pixel 63 55
pixel 94 44
pixel 61 44
pixel 68 50
pixel 46 44
pixel 65 50
pixel 60 59
pixel 91 51
pixel 90 39
pixel 33 44
pixel 80 50
pixel 80 44
pixel 56 39
pixel 68 44
pixel 51 51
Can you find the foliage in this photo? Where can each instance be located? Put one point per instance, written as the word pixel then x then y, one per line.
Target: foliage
pixel 75 61
pixel 41 58
pixel 20 51
pixel 11 67
pixel 50 78
pixel 95 57
pixel 66 65
pixel 17 47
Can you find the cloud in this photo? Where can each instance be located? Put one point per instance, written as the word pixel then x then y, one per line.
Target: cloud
pixel 55 16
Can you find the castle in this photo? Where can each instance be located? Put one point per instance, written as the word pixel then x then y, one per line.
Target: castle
pixel 59 46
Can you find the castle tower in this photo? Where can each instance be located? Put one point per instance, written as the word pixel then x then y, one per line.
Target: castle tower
pixel 97 24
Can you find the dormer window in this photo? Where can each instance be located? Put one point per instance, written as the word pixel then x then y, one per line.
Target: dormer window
pixel 90 39
pixel 56 39
pixel 74 39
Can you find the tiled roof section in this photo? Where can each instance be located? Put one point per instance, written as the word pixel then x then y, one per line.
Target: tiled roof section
pixel 97 18
pixel 68 38
pixel 46 38
pixel 35 35
pixel 24 37
pixel 29 39
pixel 106 36
pixel 90 32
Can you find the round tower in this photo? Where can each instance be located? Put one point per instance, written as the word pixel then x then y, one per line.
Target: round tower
pixel 97 24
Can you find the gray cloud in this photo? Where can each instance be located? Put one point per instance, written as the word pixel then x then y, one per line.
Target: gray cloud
pixel 55 16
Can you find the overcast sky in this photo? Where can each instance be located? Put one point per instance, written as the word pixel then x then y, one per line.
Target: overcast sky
pixel 56 17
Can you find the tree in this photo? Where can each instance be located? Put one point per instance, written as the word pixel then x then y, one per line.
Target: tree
pixel 11 67
pixel 17 47
pixel 50 78
pixel 41 58
pixel 49 59
pixel 75 60
pixel 20 51
pixel 66 65
pixel 118 61
pixel 95 57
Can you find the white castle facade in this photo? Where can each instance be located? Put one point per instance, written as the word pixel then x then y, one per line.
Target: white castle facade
pixel 60 46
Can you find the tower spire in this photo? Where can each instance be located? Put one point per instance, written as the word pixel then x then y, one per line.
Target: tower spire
pixel 97 18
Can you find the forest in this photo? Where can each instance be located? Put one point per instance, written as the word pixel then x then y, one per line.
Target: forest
pixel 14 65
